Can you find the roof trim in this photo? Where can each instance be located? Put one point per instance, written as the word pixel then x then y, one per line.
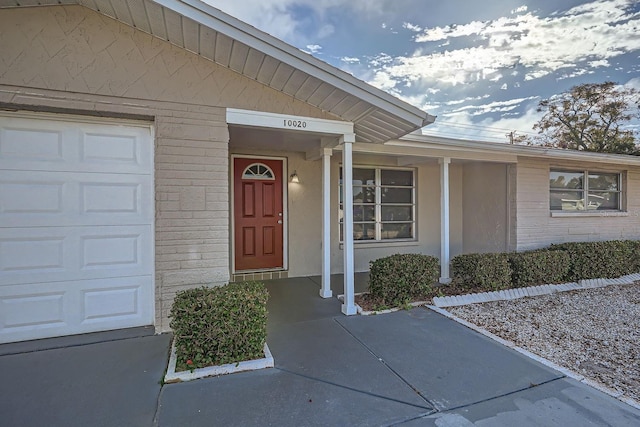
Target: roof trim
pixel 427 141
pixel 202 29
pixel 217 20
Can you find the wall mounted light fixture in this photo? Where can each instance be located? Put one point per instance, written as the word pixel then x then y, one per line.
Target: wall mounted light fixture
pixel 294 178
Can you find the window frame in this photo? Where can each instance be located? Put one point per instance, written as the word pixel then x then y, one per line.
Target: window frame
pixel 586 192
pixel 378 204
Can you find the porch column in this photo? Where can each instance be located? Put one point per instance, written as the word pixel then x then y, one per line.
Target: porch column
pixel 444 220
pixel 325 290
pixel 348 307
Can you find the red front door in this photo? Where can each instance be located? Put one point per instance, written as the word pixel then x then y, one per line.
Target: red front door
pixel 258 213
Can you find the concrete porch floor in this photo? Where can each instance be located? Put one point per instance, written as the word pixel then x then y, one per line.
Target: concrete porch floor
pixel 406 368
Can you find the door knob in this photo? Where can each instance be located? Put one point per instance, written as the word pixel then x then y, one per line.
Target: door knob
pixel 279 221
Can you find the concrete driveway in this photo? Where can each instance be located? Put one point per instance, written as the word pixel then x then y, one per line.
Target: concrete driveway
pixel 406 368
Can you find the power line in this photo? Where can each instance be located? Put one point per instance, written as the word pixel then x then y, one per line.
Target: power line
pixel 488 138
pixel 481 127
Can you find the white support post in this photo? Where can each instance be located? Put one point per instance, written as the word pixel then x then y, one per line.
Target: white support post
pixel 444 220
pixel 325 290
pixel 348 307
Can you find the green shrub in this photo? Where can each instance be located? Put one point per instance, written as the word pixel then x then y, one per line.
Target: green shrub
pixel 541 267
pixel 397 279
pixel 218 325
pixel 608 259
pixel 487 271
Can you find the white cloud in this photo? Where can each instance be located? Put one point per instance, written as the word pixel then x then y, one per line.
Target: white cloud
pixel 442 33
pixel 591 34
pixel 576 73
pixel 467 99
pixel 491 107
pixel 350 60
pixel 519 9
pixel 412 27
pixel 383 81
pixel 599 63
pixel 313 48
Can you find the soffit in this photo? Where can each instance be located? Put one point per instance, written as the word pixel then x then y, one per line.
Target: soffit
pixel 231 43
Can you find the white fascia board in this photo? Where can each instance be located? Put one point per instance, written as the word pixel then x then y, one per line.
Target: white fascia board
pixel 217 20
pixel 426 142
pixel 288 122
pixel 428 151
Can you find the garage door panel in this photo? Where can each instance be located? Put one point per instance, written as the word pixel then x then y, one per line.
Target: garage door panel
pixel 26 196
pixel 76 225
pixel 22 143
pixel 44 198
pixel 27 144
pixel 37 309
pixel 99 304
pixel 26 312
pixel 110 198
pixel 24 254
pixel 58 253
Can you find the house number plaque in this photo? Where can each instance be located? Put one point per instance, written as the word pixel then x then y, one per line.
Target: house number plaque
pixel 298 124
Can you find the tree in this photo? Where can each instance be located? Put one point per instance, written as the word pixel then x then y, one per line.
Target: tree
pixel 591 117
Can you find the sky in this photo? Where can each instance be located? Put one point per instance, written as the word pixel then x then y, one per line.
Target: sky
pixel 481 67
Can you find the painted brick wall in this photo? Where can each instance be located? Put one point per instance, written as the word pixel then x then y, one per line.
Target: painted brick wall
pixel 535 226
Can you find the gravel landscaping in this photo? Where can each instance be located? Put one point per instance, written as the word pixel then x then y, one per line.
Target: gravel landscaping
pixel 593 332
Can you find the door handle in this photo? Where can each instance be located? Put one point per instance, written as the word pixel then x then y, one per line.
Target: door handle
pixel 279 221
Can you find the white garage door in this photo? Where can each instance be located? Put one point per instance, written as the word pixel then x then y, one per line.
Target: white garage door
pixel 76 226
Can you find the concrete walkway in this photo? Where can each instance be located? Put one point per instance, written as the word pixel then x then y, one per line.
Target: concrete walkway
pixel 410 368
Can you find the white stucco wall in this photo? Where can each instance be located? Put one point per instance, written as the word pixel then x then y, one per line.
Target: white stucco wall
pixel 305 213
pixel 427 213
pixel 485 222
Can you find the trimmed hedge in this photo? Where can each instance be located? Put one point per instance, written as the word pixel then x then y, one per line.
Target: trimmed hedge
pixel 218 325
pixel 489 271
pixel 541 267
pixel 565 262
pixel 608 259
pixel 397 279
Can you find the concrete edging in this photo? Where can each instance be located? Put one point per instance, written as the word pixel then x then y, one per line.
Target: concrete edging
pixel 210 371
pixel 510 294
pixel 363 312
pixel 565 371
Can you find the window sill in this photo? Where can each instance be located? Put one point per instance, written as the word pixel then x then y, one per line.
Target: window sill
pixel 382 244
pixel 589 214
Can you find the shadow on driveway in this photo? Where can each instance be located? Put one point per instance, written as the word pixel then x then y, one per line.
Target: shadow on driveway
pixel 88 380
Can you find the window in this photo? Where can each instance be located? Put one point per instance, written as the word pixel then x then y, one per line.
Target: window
pixel 383 204
pixel 258 171
pixel 584 191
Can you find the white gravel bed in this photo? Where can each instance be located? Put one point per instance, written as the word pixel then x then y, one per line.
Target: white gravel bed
pixel 594 332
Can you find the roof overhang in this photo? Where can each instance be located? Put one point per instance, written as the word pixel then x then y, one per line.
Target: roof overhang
pixel 206 31
pixel 469 147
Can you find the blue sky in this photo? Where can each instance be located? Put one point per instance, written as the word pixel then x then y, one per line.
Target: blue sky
pixel 481 67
